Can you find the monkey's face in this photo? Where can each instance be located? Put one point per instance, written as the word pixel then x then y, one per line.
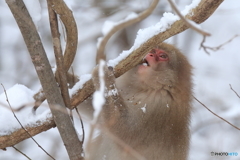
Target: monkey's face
pixel 156 68
pixel 156 59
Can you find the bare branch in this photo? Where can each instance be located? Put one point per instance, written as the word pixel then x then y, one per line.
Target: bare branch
pixel 216 114
pixel 21 152
pixel 199 14
pixel 68 20
pixel 46 77
pixel 234 91
pixel 81 121
pixel 205 48
pixel 190 25
pixel 124 24
pixel 61 73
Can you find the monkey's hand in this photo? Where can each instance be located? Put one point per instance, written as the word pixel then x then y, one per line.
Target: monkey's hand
pixel 114 107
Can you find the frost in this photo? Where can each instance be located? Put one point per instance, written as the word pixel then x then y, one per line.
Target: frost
pixel 144 108
pixel 188 8
pixel 19 96
pixel 167 106
pixel 83 79
pixel 98 96
pixel 113 92
pixel 145 34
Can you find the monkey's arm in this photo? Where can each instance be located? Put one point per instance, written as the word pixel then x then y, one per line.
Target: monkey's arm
pixel 114 108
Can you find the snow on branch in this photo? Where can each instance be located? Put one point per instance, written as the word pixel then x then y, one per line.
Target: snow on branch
pixel 171 25
pixel 111 28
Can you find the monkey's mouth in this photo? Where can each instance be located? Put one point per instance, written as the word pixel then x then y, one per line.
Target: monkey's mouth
pixel 145 62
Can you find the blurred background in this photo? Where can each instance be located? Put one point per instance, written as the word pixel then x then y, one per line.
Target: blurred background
pixel 212 72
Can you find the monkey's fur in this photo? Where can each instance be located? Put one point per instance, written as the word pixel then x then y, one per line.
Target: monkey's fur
pixel 154 119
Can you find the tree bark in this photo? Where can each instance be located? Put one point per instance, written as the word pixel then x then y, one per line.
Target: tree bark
pixel 46 77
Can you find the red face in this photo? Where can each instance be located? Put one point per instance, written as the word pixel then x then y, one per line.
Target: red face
pixel 154 60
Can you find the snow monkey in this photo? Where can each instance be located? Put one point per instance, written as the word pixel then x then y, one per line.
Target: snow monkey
pixel 153 121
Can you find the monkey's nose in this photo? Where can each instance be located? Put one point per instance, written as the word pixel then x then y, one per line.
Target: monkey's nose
pixel 150 54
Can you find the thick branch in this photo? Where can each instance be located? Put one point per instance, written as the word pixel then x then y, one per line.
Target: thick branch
pixel 199 14
pixel 20 134
pixel 46 77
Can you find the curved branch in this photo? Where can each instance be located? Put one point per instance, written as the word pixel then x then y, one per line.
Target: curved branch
pixel 68 20
pixel 61 70
pixel 124 24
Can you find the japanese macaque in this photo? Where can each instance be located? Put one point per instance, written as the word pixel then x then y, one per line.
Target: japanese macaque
pixel 152 122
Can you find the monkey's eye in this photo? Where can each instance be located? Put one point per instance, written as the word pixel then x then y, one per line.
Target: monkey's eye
pixel 163 57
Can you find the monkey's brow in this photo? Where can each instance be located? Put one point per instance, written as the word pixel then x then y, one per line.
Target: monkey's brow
pixel 153 51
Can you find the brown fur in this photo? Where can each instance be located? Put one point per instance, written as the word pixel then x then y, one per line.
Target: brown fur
pixel 156 123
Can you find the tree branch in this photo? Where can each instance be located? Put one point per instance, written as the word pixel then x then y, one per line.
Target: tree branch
pixel 46 77
pixel 199 14
pixel 216 114
pixel 186 21
pixel 61 73
pixel 20 134
pixel 68 20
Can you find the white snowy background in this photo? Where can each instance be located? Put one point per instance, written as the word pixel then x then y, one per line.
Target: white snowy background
pixel 212 73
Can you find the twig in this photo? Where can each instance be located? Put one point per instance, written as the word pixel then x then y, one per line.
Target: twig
pixel 124 24
pixel 190 25
pixel 22 125
pixel 234 91
pixel 81 121
pixel 216 114
pixel 21 152
pixel 205 48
